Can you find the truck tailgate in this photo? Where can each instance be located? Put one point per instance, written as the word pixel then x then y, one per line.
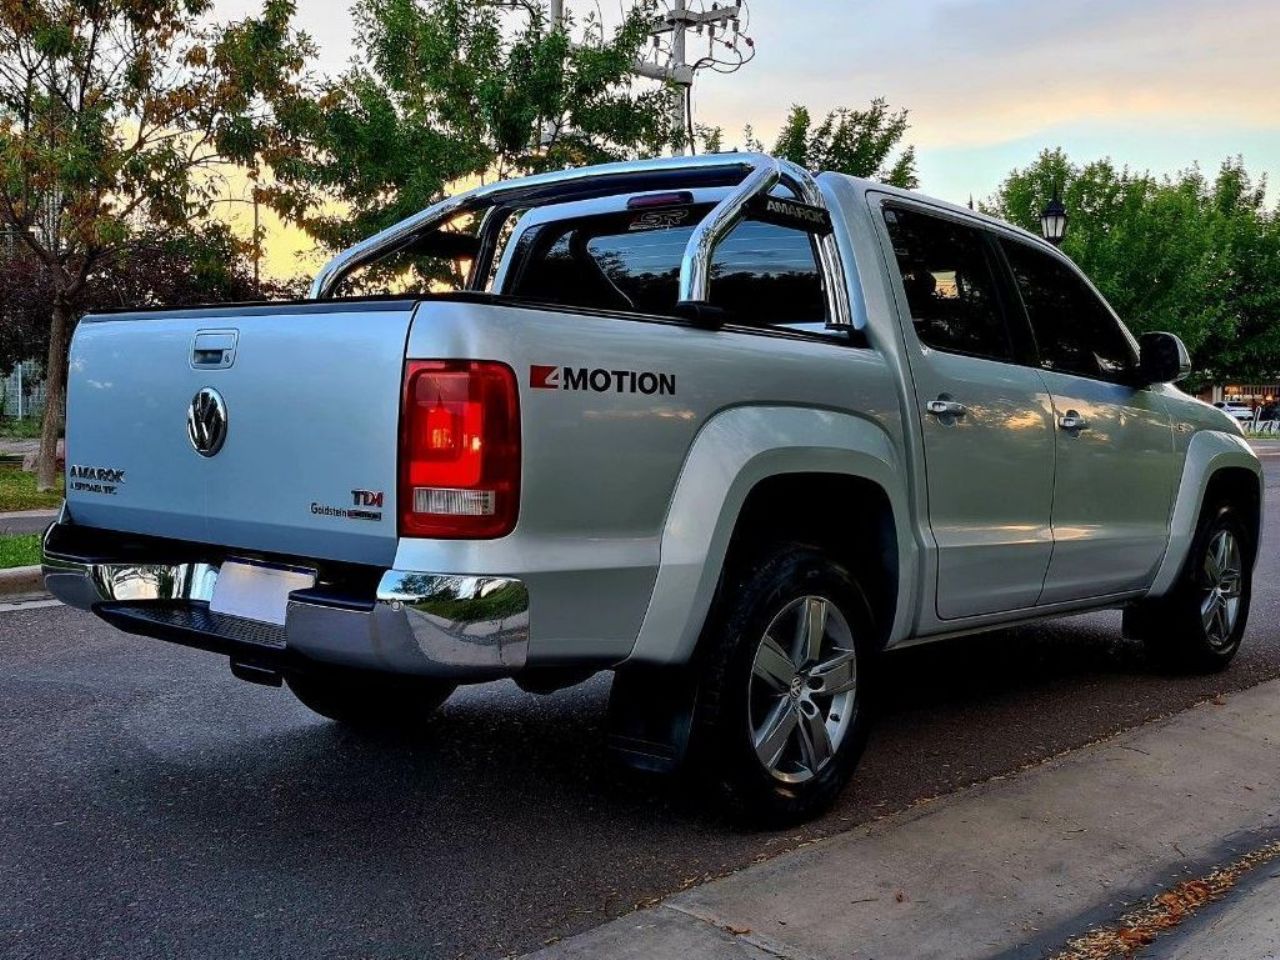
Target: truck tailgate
pixel 307 465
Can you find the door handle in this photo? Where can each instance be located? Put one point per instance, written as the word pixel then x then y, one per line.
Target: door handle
pixel 946 408
pixel 1073 422
pixel 214 349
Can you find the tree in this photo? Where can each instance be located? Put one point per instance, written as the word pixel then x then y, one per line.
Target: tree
pixel 111 112
pixel 455 91
pixel 1246 344
pixel 206 264
pixel 24 307
pixel 1181 253
pixel 860 143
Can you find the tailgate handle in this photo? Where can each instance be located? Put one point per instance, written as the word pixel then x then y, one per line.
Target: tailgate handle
pixel 214 349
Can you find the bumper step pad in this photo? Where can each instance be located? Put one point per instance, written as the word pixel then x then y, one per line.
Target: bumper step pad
pixel 194 624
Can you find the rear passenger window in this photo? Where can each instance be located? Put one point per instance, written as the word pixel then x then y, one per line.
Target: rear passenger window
pixel 950 284
pixel 1075 332
pixel 763 275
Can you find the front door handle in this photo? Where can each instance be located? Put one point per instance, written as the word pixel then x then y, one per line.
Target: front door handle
pixel 946 408
pixel 1073 422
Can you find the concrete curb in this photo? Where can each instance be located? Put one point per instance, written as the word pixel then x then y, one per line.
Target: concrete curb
pixel 17 582
pixel 1011 868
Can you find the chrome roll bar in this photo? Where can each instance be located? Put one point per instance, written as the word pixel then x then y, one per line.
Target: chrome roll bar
pixel 751 174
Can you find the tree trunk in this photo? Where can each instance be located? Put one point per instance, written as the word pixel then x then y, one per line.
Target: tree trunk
pixel 55 387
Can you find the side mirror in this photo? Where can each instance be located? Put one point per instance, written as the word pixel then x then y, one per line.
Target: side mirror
pixel 1162 358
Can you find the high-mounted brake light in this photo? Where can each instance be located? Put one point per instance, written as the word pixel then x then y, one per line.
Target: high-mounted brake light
pixel 672 199
pixel 459 450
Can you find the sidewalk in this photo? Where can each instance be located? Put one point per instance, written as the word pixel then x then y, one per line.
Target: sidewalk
pixel 26 521
pixel 1243 927
pixel 1011 868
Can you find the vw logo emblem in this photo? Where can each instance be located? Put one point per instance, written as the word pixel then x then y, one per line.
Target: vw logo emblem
pixel 207 422
pixel 797 687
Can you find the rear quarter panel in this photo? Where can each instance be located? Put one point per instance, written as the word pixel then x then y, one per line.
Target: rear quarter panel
pixel 601 467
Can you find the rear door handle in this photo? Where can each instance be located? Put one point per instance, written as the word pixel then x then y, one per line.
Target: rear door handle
pixel 946 408
pixel 214 349
pixel 1073 422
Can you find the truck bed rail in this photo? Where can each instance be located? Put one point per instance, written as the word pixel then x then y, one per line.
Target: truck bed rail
pixel 752 174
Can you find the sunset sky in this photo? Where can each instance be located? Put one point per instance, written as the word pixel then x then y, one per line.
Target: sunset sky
pixel 1154 84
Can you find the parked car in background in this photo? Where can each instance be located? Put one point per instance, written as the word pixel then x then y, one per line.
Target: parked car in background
pixel 1238 411
pixel 716 425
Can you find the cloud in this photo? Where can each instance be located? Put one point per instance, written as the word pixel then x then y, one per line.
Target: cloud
pixel 977 71
pixel 1175 80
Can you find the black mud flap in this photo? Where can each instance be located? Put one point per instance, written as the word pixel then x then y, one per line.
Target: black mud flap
pixel 650 717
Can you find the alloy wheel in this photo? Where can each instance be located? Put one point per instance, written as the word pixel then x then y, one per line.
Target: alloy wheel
pixel 803 689
pixel 1223 578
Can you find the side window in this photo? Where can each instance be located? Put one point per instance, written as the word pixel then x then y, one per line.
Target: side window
pixel 950 284
pixel 1074 330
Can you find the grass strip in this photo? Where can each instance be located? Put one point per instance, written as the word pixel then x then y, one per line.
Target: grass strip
pixel 18 492
pixel 22 550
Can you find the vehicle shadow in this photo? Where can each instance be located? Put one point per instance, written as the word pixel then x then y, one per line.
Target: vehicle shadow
pixel 948 714
pixel 502 822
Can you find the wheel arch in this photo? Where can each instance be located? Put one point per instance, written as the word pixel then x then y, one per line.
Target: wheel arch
pixel 1218 465
pixel 766 466
pixel 795 507
pixel 1242 488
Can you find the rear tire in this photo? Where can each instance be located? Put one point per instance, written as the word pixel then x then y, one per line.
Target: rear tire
pixel 369 701
pixel 1198 625
pixel 786 660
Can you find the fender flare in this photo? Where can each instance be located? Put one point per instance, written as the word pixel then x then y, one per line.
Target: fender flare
pixel 734 451
pixel 1208 452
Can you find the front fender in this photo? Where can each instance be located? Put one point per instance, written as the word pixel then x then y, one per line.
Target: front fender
pixel 1208 452
pixel 732 453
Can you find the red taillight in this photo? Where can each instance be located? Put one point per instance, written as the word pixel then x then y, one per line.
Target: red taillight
pixel 459 449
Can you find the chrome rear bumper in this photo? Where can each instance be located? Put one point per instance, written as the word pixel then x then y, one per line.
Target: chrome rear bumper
pixel 426 624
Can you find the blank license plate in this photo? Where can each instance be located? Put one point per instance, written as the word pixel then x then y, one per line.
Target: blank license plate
pixel 257 592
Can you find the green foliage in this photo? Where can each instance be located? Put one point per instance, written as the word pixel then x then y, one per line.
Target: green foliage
pixel 1193 256
pixel 18 492
pixel 11 428
pixel 110 112
pixel 448 92
pixel 19 551
pixel 860 143
pixel 113 113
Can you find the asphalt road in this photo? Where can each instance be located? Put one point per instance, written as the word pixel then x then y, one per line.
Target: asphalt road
pixel 153 806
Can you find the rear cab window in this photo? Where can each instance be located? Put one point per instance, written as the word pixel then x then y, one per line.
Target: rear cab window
pixel 763 275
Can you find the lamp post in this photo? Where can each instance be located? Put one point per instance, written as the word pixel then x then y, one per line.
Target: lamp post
pixel 1053 221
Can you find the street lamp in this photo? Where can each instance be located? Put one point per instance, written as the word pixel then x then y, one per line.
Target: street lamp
pixel 1053 221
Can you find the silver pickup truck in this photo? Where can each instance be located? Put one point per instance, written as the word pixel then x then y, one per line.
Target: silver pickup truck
pixel 725 428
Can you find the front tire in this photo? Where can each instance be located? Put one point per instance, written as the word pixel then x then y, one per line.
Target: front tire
pixel 786 660
pixel 369 701
pixel 1198 625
